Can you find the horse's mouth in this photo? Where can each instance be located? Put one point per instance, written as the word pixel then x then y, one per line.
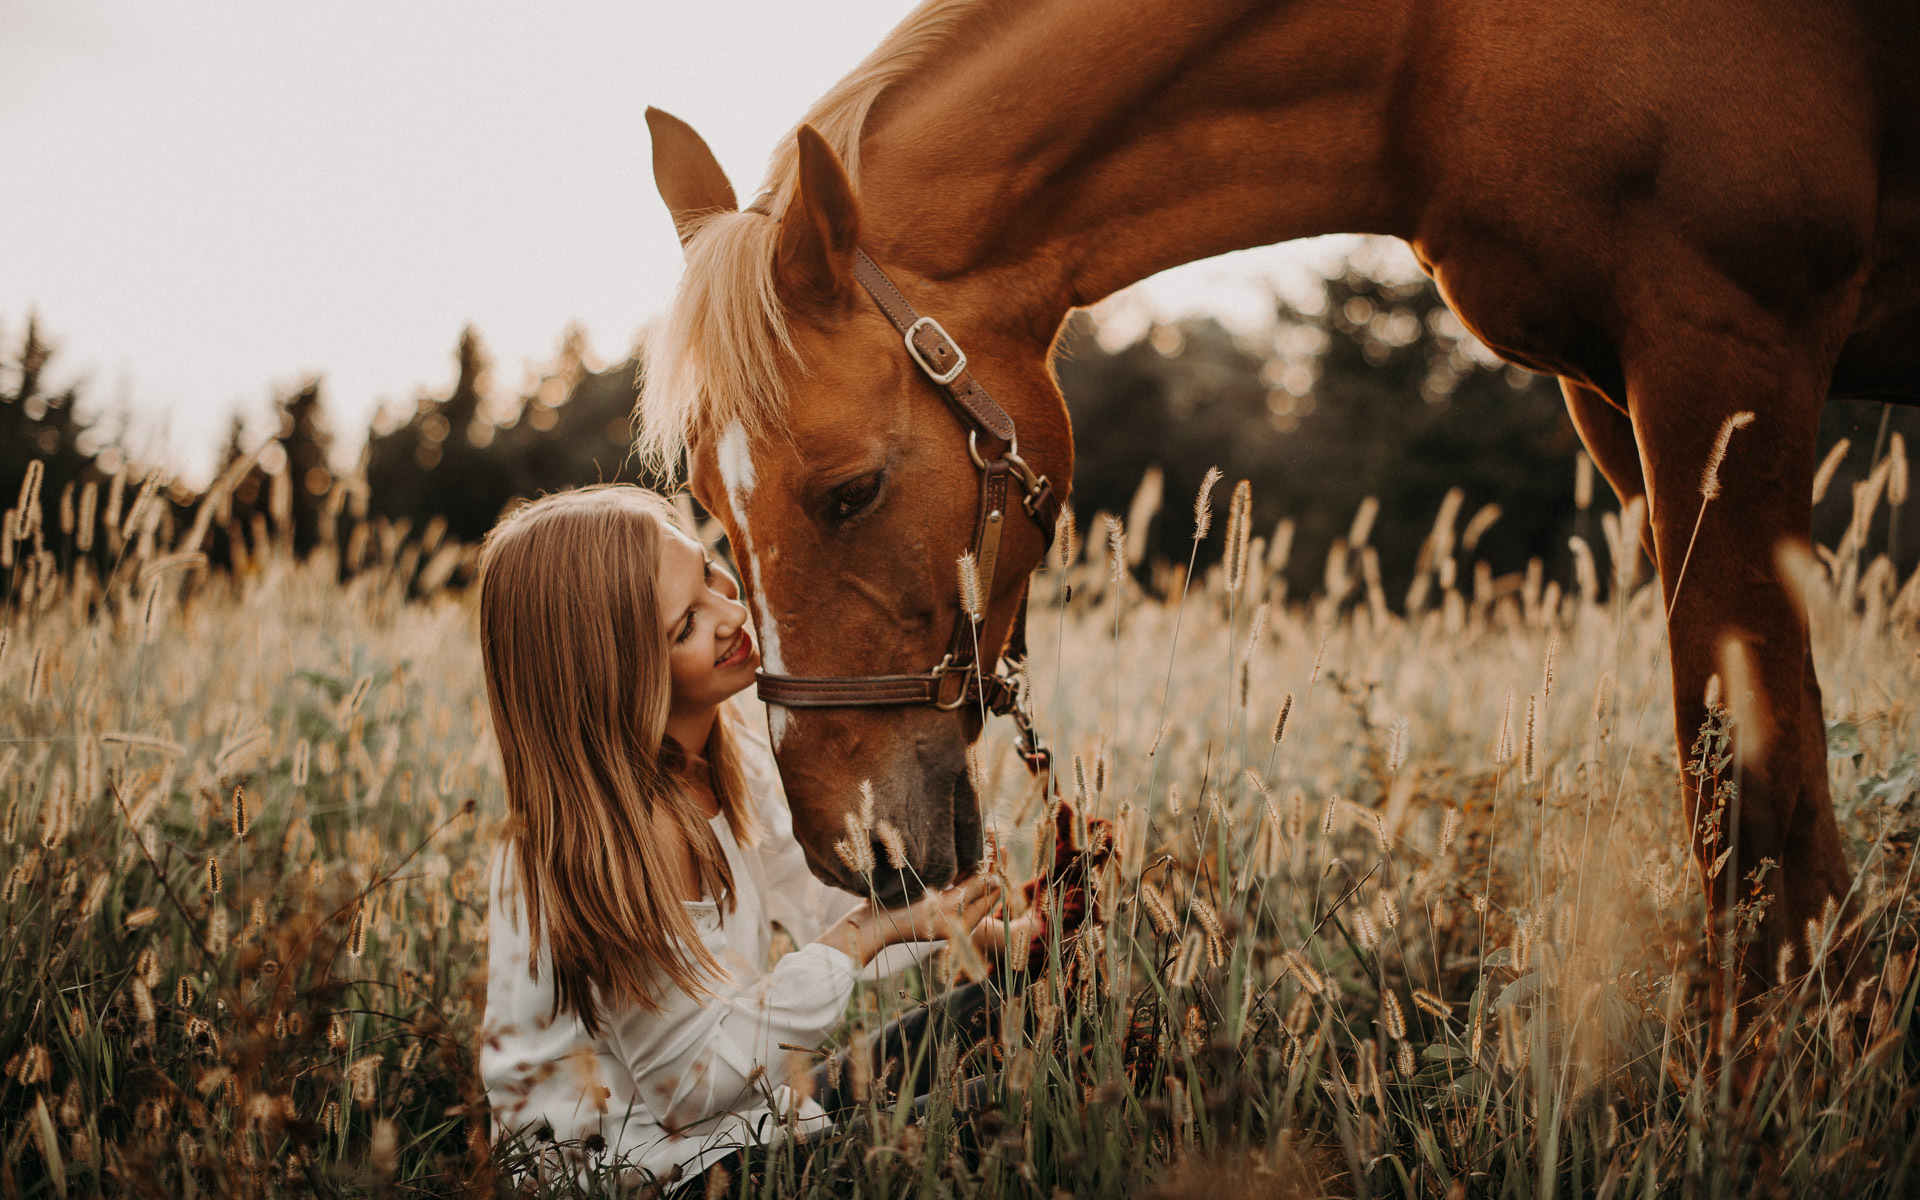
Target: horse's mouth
pixel 897 880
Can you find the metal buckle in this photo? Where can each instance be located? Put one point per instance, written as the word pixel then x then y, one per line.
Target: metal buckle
pixel 938 377
pixel 945 667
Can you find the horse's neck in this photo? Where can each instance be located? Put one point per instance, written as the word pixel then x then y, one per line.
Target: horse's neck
pixel 1072 147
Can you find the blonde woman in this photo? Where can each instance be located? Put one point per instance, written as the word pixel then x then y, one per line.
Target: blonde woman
pixel 632 1016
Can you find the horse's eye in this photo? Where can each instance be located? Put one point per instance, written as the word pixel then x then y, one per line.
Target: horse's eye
pixel 850 498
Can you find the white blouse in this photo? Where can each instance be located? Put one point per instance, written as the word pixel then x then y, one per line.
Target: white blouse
pixel 683 1085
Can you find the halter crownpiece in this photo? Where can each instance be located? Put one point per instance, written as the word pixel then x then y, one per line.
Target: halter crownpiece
pixel 940 358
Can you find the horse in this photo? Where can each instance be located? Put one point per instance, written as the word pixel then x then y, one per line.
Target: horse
pixel 1688 213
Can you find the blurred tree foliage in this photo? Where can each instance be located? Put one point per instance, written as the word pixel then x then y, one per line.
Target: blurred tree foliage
pixel 1379 393
pixel 450 460
pixel 1382 393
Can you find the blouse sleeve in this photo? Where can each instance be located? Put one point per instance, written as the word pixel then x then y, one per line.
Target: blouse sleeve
pixel 539 1068
pixel 695 1057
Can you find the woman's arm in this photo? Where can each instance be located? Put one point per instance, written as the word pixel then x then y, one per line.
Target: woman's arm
pixel 700 1056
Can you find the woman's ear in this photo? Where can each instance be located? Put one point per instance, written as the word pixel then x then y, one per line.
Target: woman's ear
pixel 819 232
pixel 688 176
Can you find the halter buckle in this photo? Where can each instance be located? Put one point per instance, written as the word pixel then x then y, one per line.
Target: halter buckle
pixel 946 666
pixel 945 345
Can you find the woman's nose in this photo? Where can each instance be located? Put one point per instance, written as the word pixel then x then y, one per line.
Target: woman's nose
pixel 733 615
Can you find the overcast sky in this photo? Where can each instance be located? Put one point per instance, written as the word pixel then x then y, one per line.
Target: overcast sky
pixel 207 199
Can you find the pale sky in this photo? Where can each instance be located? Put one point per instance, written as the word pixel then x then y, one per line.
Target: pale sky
pixel 206 199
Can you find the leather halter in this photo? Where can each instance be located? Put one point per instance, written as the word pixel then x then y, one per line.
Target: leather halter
pixel 957 680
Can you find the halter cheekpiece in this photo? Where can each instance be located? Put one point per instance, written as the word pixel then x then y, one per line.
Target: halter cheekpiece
pixel 956 680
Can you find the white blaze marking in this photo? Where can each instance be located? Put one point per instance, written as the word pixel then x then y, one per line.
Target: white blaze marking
pixel 736 471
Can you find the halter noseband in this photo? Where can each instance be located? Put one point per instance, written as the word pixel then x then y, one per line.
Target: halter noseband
pixel 943 362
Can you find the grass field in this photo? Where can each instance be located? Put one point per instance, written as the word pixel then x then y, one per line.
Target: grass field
pixel 1442 939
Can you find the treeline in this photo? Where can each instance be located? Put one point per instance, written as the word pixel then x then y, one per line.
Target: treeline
pixel 1353 421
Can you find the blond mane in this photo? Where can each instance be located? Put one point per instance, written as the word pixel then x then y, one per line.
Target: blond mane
pixel 716 356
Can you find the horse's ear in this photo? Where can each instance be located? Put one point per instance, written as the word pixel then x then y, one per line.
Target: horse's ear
pixel 820 230
pixel 688 176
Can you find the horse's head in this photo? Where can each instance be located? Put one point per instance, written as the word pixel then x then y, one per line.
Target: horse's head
pixel 843 477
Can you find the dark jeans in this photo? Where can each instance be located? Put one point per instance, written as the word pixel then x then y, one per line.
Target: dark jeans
pixel 904 1056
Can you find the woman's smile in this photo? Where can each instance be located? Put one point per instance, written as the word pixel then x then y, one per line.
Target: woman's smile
pixel 738 652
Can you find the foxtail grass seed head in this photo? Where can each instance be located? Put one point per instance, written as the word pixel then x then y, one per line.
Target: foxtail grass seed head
pixel 96 896
pixel 1530 761
pixel 1255 782
pixel 242 818
pixel 1239 530
pixel 1710 477
pixel 1203 504
pixel 1389 909
pixel 895 845
pixel 1158 910
pixel 866 806
pixel 1364 930
pixel 1431 1004
pixel 1391 1015
pixel 213 874
pixel 1503 737
pixel 1303 972
pixel 1066 539
pixel 27 512
pixel 1361 529
pixel 1397 746
pixel 1186 966
pixel 1477 527
pixel 856 852
pixel 85 519
pixel 302 755
pixel 1897 472
pixel 183 993
pixel 357 933
pixel 143 1009
pixel 1333 806
pixel 1546 675
pixel 1280 721
pixel 1131 831
pixel 1173 799
pixel 1380 834
pixel 139 508
pixel 1209 917
pixel 1449 826
pixel 970 598
pixel 1403 1060
pixel 1116 549
pixel 1319 655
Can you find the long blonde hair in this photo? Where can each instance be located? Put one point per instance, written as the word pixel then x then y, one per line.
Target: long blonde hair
pixel 575 654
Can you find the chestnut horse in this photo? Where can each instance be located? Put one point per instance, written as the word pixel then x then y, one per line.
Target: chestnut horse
pixel 1683 211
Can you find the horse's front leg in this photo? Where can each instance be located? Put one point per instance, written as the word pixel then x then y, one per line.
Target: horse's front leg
pixel 1718 542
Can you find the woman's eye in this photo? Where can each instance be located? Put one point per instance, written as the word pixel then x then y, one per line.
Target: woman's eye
pixel 686 630
pixel 850 498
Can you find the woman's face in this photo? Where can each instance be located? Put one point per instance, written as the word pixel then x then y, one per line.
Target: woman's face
pixel 710 653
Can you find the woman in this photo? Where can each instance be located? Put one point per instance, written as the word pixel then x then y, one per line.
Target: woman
pixel 631 1012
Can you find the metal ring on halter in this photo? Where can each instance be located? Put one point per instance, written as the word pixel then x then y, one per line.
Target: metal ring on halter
pixel 1012 453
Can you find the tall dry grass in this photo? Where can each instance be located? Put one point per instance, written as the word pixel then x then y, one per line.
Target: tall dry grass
pixel 1441 937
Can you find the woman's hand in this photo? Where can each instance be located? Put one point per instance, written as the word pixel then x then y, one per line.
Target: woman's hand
pixel 995 938
pixel 951 915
